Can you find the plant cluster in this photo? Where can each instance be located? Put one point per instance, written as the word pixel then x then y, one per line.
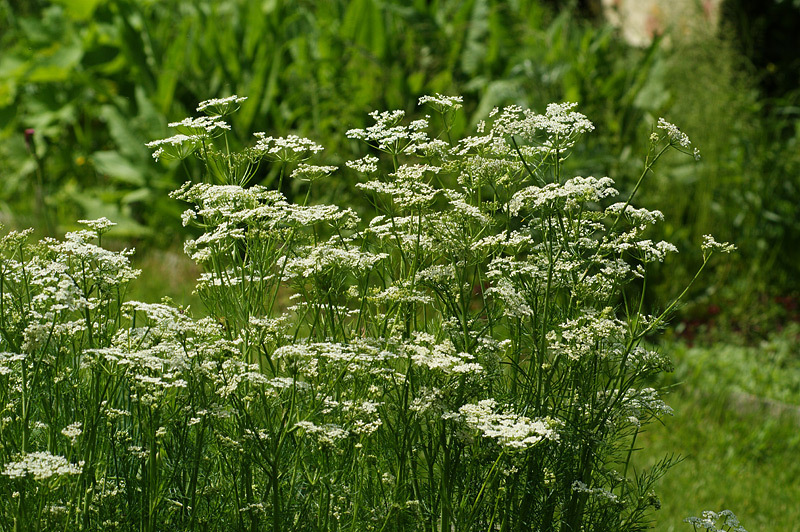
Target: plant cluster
pixel 471 357
pixel 95 80
pixel 725 519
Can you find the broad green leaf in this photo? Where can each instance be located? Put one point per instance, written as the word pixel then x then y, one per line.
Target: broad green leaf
pixel 80 9
pixel 95 207
pixel 56 64
pixel 138 195
pixel 127 141
pixel 116 166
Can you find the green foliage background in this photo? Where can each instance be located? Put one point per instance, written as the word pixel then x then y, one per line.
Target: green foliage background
pixel 96 79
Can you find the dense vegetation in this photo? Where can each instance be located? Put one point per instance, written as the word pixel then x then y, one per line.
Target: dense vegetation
pixel 85 84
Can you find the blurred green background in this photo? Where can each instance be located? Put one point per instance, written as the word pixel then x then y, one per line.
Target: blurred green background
pixel 96 79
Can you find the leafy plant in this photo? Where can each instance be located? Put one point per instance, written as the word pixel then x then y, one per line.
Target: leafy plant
pixel 471 357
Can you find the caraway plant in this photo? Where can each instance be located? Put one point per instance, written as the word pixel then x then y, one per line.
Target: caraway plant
pixel 470 354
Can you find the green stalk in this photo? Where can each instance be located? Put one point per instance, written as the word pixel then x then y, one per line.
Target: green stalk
pixel 666 312
pixel 647 167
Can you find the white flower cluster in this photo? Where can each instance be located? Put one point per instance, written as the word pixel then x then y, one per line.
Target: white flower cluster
pixel 573 194
pixel 231 206
pixel 399 293
pixel 285 149
pixel 359 417
pixel 73 431
pixel 64 280
pixel 307 172
pixel 176 147
pixel 326 260
pixel 647 250
pixel 512 431
pixel 308 215
pixel 647 400
pixel 442 103
pixel 42 466
pixel 357 358
pixel 201 125
pixel 425 351
pixel 438 276
pixel 592 333
pixel 638 405
pixel 629 241
pixel 100 225
pixel 78 246
pixel 428 400
pixel 464 210
pixel 7 360
pixel 408 190
pixel 327 435
pixel 675 135
pixel 636 216
pixel 366 165
pixel 516 282
pixel 402 231
pixel 560 121
pixel 711 245
pixel 513 300
pixel 234 374
pixel 221 106
pixel 478 170
pixel 600 493
pixel 163 320
pixel 388 135
pixel 726 520
pixel 428 148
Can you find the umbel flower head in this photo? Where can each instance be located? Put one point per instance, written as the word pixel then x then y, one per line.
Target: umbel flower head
pixel 176 147
pixel 41 466
pixel 100 225
pixel 677 137
pixel 201 125
pixel 710 245
pixel 725 520
pixel 221 106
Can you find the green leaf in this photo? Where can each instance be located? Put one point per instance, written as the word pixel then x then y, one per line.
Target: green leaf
pixel 79 9
pixel 116 166
pixel 128 143
pixel 363 25
pixel 94 207
pixel 138 195
pixel 57 64
pixel 474 51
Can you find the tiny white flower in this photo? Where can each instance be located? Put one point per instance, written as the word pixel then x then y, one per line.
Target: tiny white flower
pixel 285 149
pixel 201 125
pixel 175 147
pixel 221 106
pixel 307 172
pixel 675 135
pixel 41 466
pixel 365 165
pixel 72 431
pixel 100 225
pixel 442 103
pixel 711 245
